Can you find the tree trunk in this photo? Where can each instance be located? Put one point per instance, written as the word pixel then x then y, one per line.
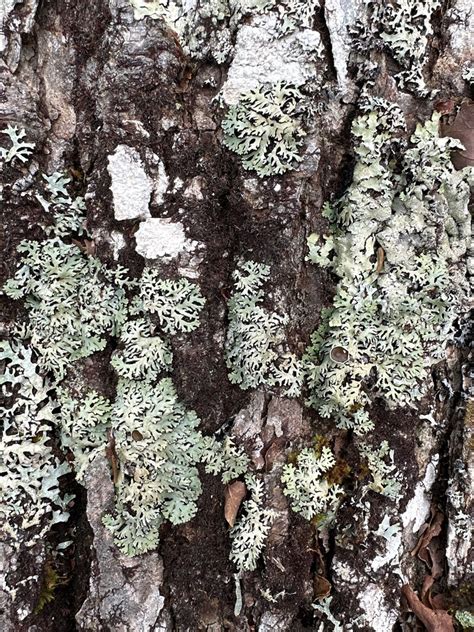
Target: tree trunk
pixel 120 103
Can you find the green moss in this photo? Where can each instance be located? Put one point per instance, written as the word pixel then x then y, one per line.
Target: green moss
pixel 51 580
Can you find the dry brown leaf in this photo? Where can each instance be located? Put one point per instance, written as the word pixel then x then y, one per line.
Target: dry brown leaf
pixel 87 246
pixel 462 128
pixel 429 549
pixel 380 259
pixel 322 587
pixel 112 457
pixel 234 495
pixel 430 531
pixel 433 620
pixel 435 602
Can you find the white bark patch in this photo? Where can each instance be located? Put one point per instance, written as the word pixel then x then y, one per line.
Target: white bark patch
pixel 162 239
pixel 290 58
pixel 194 189
pixel 131 187
pixel 159 177
pixel 377 613
pixel 6 7
pixel 340 15
pixel 418 508
pixel 118 243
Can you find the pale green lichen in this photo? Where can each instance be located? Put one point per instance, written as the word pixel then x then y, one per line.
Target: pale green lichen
pixel 158 446
pixel 68 213
pixel 208 28
pixel 177 304
pixel 224 458
pixel 295 14
pixel 468 74
pixel 386 479
pixel 251 530
pixel 465 618
pixel 144 354
pixel 19 150
pixel 397 243
pixel 265 129
pixel 84 425
pixel 405 29
pixel 324 606
pixel 255 334
pixel 306 484
pixel 73 300
pixel 30 473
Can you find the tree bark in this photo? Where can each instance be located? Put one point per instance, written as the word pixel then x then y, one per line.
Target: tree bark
pixel 84 78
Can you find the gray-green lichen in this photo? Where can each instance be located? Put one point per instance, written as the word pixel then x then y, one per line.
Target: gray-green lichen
pixel 208 28
pixel 397 244
pixel 265 129
pixel 250 533
pixel 255 334
pixel 405 29
pixel 19 150
pixel 306 484
pixel 73 300
pixel 30 473
pixel 385 478
pixel 158 448
pixel 176 304
pixel 75 305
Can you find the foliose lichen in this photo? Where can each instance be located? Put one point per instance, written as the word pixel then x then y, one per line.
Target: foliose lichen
pixel 255 334
pixel 176 303
pixel 208 29
pixel 265 128
pixel 30 473
pixel 20 149
pixel 397 244
pixel 250 533
pixel 74 302
pixel 386 479
pixel 308 486
pixel 405 29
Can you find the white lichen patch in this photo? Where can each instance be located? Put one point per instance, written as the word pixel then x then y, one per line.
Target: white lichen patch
pixel 291 58
pixel 392 534
pixel 118 243
pixel 193 190
pixel 161 238
pixel 418 507
pixel 377 613
pixel 6 7
pixel 159 177
pixel 131 186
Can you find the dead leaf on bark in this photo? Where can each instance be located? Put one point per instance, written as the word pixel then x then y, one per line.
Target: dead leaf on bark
pixel 431 529
pixel 428 548
pixel 322 587
pixel 462 128
pixel 234 495
pixel 87 246
pixel 433 620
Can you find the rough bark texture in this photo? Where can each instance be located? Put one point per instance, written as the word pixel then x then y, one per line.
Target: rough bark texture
pixel 84 78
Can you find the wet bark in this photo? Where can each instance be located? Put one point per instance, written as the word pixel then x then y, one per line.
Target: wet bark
pixel 85 77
